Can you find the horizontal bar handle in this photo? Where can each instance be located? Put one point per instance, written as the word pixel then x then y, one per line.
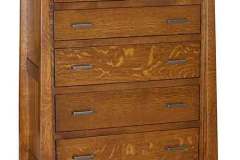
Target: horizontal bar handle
pixel 86 157
pixel 82 25
pixel 178 21
pixel 81 67
pixel 176 105
pixel 82 113
pixel 176 148
pixel 177 61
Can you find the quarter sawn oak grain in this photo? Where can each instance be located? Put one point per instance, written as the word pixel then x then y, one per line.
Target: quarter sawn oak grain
pixel 176 145
pixel 127 63
pixel 127 108
pixel 126 22
pixel 150 53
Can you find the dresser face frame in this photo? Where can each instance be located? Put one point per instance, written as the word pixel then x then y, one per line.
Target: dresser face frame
pixel 36 81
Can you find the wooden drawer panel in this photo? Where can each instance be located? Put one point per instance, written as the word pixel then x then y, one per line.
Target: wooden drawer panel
pixel 120 108
pixel 126 22
pixel 165 145
pixel 97 4
pixel 111 64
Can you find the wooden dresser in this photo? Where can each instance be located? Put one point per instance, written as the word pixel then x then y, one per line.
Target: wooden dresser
pixel 118 80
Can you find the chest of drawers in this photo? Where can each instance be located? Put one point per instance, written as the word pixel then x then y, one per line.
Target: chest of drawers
pixel 118 80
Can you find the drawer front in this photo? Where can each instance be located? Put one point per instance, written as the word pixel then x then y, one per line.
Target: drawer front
pixel 126 22
pixel 165 145
pixel 112 64
pixel 115 108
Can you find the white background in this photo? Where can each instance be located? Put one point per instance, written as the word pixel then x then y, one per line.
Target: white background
pixel 228 63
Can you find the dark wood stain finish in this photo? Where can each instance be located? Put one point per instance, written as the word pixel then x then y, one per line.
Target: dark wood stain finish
pixel 118 79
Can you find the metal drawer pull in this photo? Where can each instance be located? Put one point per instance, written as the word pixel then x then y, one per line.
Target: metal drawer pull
pixel 178 21
pixel 81 67
pixel 176 148
pixel 82 113
pixel 176 105
pixel 85 25
pixel 177 61
pixel 86 157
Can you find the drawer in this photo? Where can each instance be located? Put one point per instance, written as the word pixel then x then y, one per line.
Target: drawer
pixel 126 22
pixel 120 108
pixel 159 145
pixel 127 63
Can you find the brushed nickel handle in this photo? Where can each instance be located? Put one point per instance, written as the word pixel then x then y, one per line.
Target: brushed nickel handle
pixel 177 21
pixel 176 105
pixel 176 148
pixel 82 25
pixel 83 113
pixel 81 67
pixel 86 157
pixel 177 61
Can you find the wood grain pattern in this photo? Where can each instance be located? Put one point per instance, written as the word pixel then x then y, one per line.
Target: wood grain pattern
pixel 127 130
pixel 141 146
pixel 127 63
pixel 126 41
pixel 34 115
pixel 47 143
pixel 209 145
pixel 126 108
pixel 129 85
pixel 33 29
pixel 29 86
pixel 123 25
pixel 33 70
pixel 93 4
pixel 23 90
pixel 109 23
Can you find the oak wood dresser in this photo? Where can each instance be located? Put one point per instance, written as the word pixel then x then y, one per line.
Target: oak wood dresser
pixel 118 80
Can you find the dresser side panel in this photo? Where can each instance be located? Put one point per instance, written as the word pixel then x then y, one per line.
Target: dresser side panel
pixel 34 130
pixel 211 114
pixel 47 144
pixel 209 144
pixel 33 30
pixel 29 81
